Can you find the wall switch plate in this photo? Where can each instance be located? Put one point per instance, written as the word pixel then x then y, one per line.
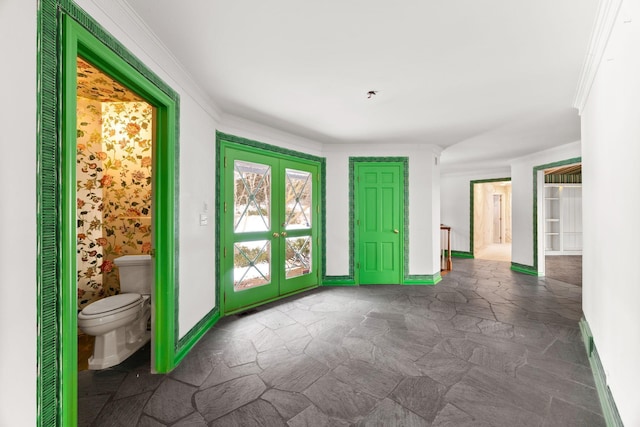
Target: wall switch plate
pixel 204 219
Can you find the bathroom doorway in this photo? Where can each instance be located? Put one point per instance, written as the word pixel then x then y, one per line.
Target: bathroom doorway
pixel 114 191
pixel 491 219
pixel 58 203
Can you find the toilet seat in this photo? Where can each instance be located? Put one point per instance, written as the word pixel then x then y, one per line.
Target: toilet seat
pixel 110 306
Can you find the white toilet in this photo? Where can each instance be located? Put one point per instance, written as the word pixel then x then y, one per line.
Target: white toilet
pixel 119 322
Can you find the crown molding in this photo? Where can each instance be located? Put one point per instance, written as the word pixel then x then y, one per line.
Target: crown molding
pixel 125 18
pixel 605 21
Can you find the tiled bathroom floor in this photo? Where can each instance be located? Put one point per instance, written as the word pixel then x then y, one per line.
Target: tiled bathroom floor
pixel 485 347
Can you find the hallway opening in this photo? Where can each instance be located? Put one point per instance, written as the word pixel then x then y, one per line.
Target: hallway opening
pixel 560 230
pixel 491 220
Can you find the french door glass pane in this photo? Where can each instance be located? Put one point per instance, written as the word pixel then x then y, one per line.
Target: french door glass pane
pixel 251 264
pixel 252 197
pixel 298 197
pixel 298 256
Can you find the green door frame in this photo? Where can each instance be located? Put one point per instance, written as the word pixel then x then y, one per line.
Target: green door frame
pixel 224 141
pixel 64 32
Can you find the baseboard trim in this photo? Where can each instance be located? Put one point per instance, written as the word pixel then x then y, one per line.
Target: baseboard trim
pixel 338 281
pixel 525 269
pixel 462 254
pixel 186 343
pixel 609 408
pixel 426 279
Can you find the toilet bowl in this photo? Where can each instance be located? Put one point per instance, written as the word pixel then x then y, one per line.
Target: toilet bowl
pixel 119 322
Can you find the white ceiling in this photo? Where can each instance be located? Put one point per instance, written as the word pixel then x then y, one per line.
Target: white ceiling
pixel 486 80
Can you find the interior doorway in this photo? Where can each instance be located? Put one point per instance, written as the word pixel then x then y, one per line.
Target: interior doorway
pixel 497 219
pixel 562 223
pixel 58 215
pixel 114 176
pixel 491 219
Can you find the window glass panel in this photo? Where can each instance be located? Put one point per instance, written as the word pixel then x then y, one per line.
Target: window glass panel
pixel 298 256
pixel 251 264
pixel 298 194
pixel 252 197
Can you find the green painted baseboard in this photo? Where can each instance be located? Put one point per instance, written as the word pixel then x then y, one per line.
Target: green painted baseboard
pixel 338 281
pixel 190 339
pixel 609 409
pixel 461 254
pixel 525 269
pixel 426 279
pixel 417 279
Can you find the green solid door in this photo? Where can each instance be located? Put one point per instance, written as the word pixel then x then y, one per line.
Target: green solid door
pixel 270 243
pixel 380 213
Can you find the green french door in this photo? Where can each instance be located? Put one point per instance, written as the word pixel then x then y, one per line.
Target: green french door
pixel 270 227
pixel 380 222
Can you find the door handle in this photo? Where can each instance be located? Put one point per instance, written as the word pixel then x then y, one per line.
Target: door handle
pixel 283 234
pixel 276 235
pixel 395 230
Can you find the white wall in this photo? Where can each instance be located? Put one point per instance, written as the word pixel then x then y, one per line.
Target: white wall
pixel 455 203
pixel 238 126
pixel 424 207
pixel 522 198
pixel 611 279
pixel 18 213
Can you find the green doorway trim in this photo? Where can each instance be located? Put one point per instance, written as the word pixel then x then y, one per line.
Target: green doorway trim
pixel 408 279
pixel 461 254
pixel 533 270
pixel 227 140
pixel 64 31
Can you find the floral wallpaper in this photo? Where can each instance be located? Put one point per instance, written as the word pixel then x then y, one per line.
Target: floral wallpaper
pixel 114 143
pixel 89 196
pixel 94 84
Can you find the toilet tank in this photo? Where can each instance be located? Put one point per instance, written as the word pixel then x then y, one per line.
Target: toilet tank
pixel 136 273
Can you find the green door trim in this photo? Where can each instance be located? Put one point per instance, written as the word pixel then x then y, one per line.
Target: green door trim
pixel 464 254
pixel 64 31
pixel 224 141
pixel 407 279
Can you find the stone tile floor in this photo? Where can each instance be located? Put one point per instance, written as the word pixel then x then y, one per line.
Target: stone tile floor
pixel 484 347
pixel 566 268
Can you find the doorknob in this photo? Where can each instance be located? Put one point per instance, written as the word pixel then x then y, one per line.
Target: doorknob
pixel 276 235
pixel 395 231
pixel 283 234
